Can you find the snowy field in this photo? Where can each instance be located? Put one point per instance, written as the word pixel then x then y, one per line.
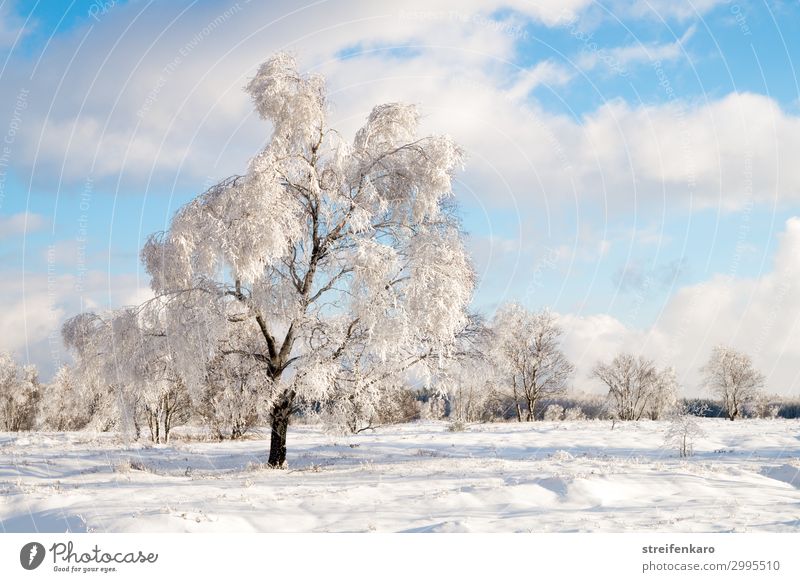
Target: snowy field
pixel 544 477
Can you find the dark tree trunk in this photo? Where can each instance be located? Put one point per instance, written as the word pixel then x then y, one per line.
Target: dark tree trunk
pixel 281 413
pixel 167 419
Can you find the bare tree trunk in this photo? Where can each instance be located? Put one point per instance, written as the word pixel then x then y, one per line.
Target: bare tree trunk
pixel 732 408
pixel 281 413
pixel 151 426
pixel 519 411
pixel 167 424
pixel 531 404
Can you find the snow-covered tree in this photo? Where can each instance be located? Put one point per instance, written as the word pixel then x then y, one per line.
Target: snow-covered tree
pixel 364 394
pixel 165 403
pixel 91 338
pixel 683 430
pixel 229 400
pixel 762 406
pixel 554 412
pixel 352 408
pixel 631 381
pixel 102 403
pixel 731 376
pixel 19 394
pixel 473 394
pixel 528 357
pixel 468 379
pixel 65 403
pixel 128 349
pixel 434 407
pixel 574 413
pixel 344 258
pixel 665 394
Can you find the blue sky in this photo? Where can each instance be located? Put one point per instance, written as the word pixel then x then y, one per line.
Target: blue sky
pixel 627 162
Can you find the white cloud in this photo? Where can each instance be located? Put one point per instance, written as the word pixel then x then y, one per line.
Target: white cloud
pixel 545 73
pixel 21 223
pixel 726 153
pixel 640 52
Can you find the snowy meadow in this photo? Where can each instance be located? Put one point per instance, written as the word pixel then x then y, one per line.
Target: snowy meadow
pixel 567 476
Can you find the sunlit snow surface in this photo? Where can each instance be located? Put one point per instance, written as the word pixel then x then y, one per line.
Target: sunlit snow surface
pixel 546 476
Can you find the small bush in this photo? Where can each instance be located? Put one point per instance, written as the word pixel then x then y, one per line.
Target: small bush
pixel 554 412
pixel 574 413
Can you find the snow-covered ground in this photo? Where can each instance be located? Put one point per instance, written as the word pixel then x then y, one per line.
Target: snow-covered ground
pixel 545 476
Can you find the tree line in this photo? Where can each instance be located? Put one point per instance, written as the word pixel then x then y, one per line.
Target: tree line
pixel 513 368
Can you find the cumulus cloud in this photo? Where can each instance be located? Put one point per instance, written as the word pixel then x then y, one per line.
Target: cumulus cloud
pixel 21 223
pixel 726 153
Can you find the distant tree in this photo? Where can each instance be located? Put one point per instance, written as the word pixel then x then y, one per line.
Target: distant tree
pixel 473 395
pixel 731 376
pixel 19 395
pixel 632 382
pixel 65 403
pixel 762 406
pixel 129 350
pixel 554 412
pixel 574 413
pixel 470 379
pixel 355 407
pixel 664 396
pixel 355 401
pixel 101 344
pixel 166 404
pixel 229 400
pixel 527 356
pixel 434 407
pixel 339 256
pixel 683 430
